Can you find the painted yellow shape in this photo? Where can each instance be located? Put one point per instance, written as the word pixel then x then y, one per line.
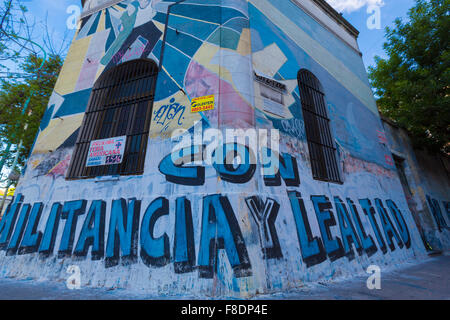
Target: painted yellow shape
pixel 162 126
pixel 57 132
pixel 70 71
pixel 159 25
pixel 119 8
pixel 205 54
pixel 245 47
pixel 327 60
pixel 269 60
pixel 35 163
pixel 11 192
pixel 102 24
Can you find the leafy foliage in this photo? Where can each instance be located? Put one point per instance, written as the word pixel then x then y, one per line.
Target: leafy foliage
pixel 16 125
pixel 413 83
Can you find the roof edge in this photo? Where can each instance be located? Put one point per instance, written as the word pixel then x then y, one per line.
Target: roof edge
pixel 337 16
pixel 329 10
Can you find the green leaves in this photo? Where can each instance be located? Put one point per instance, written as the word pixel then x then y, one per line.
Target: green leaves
pixel 16 125
pixel 413 83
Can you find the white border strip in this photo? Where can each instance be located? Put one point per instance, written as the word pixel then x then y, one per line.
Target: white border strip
pixel 100 7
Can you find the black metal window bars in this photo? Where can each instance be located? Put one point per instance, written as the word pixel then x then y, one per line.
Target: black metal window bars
pixel 120 104
pixel 321 145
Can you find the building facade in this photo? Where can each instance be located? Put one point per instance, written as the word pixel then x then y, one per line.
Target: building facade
pixel 425 179
pixel 210 148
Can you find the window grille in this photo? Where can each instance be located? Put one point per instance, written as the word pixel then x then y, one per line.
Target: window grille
pixel 120 105
pixel 321 145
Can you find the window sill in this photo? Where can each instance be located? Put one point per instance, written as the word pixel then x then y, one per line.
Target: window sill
pixel 107 179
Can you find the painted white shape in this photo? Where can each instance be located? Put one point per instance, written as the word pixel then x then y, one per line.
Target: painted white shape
pixel 269 60
pixel 145 13
pixel 56 100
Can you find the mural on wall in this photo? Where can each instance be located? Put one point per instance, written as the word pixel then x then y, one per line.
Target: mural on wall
pixel 355 123
pixel 196 42
pixel 207 50
pixel 126 231
pixel 241 225
pixel 437 212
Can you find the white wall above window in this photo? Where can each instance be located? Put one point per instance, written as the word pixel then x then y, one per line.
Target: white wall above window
pixel 91 6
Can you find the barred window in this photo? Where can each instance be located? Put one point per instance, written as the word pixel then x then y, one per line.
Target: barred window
pixel 321 145
pixel 120 105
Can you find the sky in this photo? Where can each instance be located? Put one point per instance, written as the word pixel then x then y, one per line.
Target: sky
pixel 357 12
pixel 371 39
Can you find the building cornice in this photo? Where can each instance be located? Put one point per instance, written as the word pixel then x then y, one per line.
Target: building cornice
pixel 329 10
pixel 98 8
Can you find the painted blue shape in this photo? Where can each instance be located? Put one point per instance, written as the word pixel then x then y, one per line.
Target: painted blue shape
pixel 325 218
pixel 244 172
pixel 154 251
pixel 183 42
pixel 165 86
pixel 108 24
pixel 179 173
pixel 18 231
pixel 348 232
pixel 437 213
pixel 225 38
pixel 70 212
pixel 123 232
pixel 311 247
pixel 220 230
pixel 388 227
pixel 400 222
pixel 94 26
pixel 238 24
pixel 369 211
pixel 93 232
pixel 335 46
pixel 9 220
pixel 184 246
pixel 157 50
pixel 51 230
pixel 199 29
pixel 47 117
pixel 215 14
pixel 367 242
pixel 285 167
pixel 356 134
pixel 74 103
pixel 32 237
pixel 176 64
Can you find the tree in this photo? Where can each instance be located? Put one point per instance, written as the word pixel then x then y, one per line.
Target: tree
pixel 413 82
pixel 17 38
pixel 15 30
pixel 23 77
pixel 15 126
